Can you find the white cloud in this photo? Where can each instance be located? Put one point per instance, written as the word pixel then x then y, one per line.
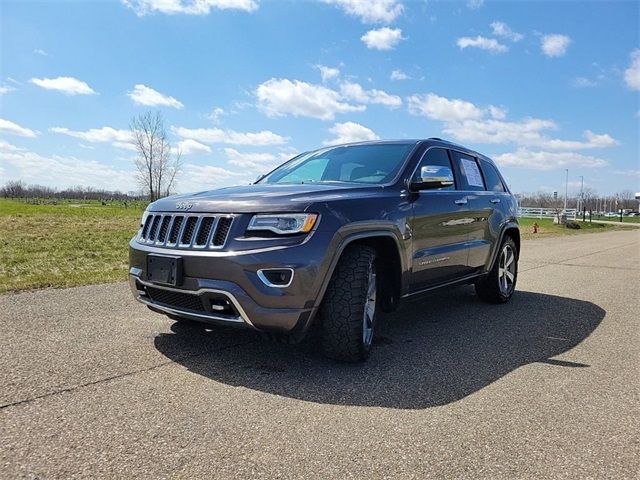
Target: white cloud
pixel 632 74
pixel 190 146
pixel 39 51
pixel 555 45
pixel 443 109
pixel 497 112
pixel 230 137
pixel 143 95
pixel 483 43
pixel 97 135
pixel 355 92
pixel 188 7
pixel 5 89
pixel 61 172
pixel 66 85
pixel 475 4
pixel 593 140
pixel 7 126
pixel 349 132
pixel 216 115
pixel 370 11
pixel 384 38
pixel 7 147
pixel 328 73
pixel 252 160
pixel 583 82
pixel 542 160
pixel 399 75
pixel 501 29
pixel 628 173
pixel 207 177
pixel 467 122
pixel 277 97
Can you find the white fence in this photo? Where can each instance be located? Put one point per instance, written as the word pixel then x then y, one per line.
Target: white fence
pixel 534 212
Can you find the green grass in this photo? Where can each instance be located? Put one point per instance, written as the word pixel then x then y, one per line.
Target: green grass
pixel 615 219
pixel 69 243
pixel 64 244
pixel 548 229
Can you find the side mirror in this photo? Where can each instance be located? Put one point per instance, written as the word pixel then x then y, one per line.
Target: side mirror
pixel 432 176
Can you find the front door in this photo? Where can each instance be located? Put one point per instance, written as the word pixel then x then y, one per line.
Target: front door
pixel 440 224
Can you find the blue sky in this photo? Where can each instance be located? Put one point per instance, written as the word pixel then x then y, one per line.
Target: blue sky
pixel 245 84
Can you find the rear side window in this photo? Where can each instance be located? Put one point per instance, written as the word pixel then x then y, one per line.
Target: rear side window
pixel 469 171
pixel 435 157
pixel 492 178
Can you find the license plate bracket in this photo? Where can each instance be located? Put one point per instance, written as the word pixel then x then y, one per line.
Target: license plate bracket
pixel 164 270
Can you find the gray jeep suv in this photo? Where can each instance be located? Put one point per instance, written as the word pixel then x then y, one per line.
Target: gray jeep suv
pixel 332 236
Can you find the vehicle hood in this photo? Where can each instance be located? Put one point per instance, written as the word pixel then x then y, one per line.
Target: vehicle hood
pixel 263 198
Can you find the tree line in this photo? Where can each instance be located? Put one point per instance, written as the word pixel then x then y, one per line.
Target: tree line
pixel 19 189
pixel 589 201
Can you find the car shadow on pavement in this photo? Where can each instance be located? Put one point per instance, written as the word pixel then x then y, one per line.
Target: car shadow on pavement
pixel 432 352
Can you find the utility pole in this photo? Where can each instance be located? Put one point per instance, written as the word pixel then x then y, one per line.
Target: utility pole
pixel 582 195
pixel 566 188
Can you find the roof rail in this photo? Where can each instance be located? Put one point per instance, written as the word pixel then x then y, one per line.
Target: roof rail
pixel 436 138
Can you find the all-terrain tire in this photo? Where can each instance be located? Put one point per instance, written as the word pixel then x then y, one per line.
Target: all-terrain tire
pixel 344 336
pixel 492 287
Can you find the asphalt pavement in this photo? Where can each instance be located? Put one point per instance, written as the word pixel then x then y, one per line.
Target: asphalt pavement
pixel 94 385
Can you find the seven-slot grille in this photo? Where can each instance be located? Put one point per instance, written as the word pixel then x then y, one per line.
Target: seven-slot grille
pixel 185 231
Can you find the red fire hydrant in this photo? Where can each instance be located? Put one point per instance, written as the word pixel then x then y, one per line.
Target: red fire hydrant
pixel 535 227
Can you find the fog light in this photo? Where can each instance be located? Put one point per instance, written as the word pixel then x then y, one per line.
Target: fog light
pixel 276 277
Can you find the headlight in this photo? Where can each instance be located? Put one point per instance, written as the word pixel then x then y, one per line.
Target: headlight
pixel 285 223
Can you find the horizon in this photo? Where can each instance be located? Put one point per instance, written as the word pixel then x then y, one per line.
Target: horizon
pixel 536 93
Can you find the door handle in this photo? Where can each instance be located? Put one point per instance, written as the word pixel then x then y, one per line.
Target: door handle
pixel 462 201
pixel 495 200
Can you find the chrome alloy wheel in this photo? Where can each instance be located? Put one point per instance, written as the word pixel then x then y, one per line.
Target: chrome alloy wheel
pixel 507 270
pixel 369 308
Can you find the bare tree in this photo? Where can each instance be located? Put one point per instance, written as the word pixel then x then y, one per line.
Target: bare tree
pixel 157 163
pixel 13 189
pixel 627 199
pixel 589 196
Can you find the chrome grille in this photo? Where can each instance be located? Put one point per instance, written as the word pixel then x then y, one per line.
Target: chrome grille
pixel 185 231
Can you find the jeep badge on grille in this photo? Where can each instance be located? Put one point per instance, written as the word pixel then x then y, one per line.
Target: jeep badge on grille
pixel 184 206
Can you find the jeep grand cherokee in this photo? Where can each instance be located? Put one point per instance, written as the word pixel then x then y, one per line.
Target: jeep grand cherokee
pixel 332 236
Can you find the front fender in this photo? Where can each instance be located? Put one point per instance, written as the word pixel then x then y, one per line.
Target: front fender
pixel 354 232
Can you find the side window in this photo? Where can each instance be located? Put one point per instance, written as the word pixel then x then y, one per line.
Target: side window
pixel 436 157
pixel 469 170
pixel 492 178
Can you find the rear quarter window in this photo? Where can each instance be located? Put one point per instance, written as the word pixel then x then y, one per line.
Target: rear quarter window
pixel 492 178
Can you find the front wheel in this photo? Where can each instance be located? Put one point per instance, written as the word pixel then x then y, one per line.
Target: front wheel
pixel 349 307
pixel 500 283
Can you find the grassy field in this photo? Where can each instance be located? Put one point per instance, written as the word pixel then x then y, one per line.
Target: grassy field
pixel 546 228
pixel 616 219
pixel 64 245
pixel 72 243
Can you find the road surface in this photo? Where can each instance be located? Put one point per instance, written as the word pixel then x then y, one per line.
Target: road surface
pixel 93 384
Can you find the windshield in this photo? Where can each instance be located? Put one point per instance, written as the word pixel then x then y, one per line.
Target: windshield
pixel 371 163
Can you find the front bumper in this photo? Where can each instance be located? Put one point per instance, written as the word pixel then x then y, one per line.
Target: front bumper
pixel 225 287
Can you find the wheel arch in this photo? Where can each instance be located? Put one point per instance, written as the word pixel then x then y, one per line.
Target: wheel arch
pixel 390 253
pixel 510 229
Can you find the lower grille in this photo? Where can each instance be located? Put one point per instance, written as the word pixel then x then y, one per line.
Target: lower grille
pixel 185 231
pixel 179 300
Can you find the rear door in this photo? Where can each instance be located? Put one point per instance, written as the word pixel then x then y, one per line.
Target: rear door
pixel 490 206
pixel 483 189
pixel 440 226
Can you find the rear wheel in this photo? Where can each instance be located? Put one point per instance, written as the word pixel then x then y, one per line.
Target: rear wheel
pixel 349 308
pixel 498 286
